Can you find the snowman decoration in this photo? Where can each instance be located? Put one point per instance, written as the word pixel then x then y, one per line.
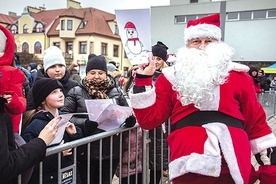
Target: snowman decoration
pixel 133 44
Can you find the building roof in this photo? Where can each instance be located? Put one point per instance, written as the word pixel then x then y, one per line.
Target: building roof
pixel 96 21
pixel 7 19
pixel 47 16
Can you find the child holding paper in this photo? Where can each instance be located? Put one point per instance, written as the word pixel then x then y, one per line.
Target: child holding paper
pixel 48 97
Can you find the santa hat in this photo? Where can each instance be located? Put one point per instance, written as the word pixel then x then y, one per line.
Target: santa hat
pixel 53 56
pixel 204 27
pixel 130 25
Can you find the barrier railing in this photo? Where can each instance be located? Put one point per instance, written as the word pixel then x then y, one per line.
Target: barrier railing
pixel 141 142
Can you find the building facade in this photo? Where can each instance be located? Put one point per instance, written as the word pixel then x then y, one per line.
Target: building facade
pixel 77 31
pixel 249 26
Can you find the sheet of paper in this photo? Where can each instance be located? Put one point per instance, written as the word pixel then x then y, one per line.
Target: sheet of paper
pixel 61 128
pixel 109 116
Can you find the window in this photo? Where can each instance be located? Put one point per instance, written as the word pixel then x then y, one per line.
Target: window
pixel 104 49
pixel 116 50
pixel 180 19
pixel 193 1
pixel 271 13
pixel 69 49
pixel 25 28
pixel 116 30
pixel 69 25
pixel 57 44
pixel 82 25
pixel 91 48
pixel 259 14
pixel 232 16
pixel 190 17
pixel 25 47
pixel 62 24
pixel 39 28
pixel 37 48
pixel 245 15
pixel 14 29
pixel 83 47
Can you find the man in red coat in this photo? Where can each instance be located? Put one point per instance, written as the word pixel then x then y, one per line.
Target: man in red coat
pixel 11 80
pixel 215 116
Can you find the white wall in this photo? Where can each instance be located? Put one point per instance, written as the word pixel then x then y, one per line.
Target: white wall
pixel 253 40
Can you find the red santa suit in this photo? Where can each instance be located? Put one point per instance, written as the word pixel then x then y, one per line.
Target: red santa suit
pixel 218 134
pixel 199 149
pixel 11 79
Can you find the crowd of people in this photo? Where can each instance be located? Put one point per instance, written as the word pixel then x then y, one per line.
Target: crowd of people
pixel 216 121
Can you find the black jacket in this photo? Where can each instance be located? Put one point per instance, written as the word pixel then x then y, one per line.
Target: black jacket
pixel 66 82
pixel 16 161
pixel 75 103
pixel 50 163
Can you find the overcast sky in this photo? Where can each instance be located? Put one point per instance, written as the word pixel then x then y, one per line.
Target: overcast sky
pixel 17 6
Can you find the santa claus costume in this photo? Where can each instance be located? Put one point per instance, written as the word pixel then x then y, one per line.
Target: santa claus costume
pixel 215 116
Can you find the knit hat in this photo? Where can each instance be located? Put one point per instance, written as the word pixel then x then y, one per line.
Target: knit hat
pixel 53 56
pixel 204 27
pixel 111 67
pixel 96 62
pixel 160 50
pixel 32 65
pixel 3 40
pixel 42 88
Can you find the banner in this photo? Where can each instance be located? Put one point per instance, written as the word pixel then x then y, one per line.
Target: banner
pixel 135 32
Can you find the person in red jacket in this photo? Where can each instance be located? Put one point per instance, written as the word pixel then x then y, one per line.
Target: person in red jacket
pixel 216 119
pixel 11 80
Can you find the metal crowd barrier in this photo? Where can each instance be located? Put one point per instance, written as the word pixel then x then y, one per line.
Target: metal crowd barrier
pixel 267 99
pixel 68 174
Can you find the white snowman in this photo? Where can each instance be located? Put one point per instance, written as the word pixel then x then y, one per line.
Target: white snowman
pixel 133 44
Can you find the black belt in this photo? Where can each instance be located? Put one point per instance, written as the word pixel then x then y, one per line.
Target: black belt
pixel 203 117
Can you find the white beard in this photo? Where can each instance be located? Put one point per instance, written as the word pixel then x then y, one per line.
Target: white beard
pixel 199 71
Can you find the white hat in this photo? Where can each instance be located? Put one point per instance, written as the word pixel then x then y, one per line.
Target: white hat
pixel 53 56
pixel 204 27
pixel 3 40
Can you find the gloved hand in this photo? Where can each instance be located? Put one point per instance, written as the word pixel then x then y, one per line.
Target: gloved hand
pixel 90 126
pixel 129 122
pixel 267 157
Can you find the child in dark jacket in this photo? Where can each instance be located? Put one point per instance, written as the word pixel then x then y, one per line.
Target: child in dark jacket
pixel 48 96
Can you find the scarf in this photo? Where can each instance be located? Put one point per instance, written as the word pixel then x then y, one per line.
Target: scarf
pixel 97 89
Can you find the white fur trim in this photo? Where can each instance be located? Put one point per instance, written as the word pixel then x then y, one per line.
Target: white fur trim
pixel 169 74
pixel 237 67
pixel 202 30
pixel 195 163
pixel 220 132
pixel 143 100
pixel 262 143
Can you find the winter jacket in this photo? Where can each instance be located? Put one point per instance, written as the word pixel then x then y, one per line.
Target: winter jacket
pixel 15 161
pixel 158 142
pixel 66 82
pixel 50 163
pixel 132 149
pixel 11 82
pixel 75 103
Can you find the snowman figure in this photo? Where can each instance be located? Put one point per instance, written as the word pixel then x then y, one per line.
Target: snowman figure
pixel 133 44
